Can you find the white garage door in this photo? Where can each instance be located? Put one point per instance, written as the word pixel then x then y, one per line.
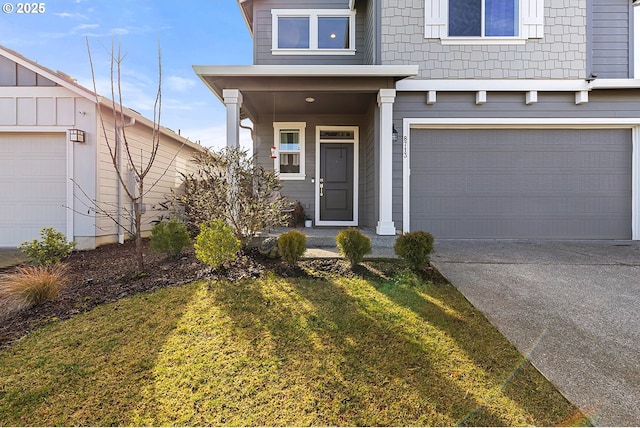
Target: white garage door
pixel 33 186
pixel 532 184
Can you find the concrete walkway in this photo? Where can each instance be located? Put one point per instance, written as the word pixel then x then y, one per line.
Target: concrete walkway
pixel 321 242
pixel 572 307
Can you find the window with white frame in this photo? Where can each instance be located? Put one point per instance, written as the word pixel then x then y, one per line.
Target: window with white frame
pixel 289 145
pixel 484 21
pixel 316 32
pixel 483 18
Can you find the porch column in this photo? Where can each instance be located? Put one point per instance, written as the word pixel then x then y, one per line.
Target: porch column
pixel 233 101
pixel 385 225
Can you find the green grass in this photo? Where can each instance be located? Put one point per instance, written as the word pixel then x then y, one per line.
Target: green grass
pixel 278 352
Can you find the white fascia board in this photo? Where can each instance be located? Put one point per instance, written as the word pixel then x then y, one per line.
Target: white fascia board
pixel 562 122
pixel 306 70
pixel 511 85
pixel 616 84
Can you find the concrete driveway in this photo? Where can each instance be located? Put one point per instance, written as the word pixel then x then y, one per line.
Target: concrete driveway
pixel 572 307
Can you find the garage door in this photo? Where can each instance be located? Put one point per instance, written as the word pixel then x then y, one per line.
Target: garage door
pixel 534 184
pixel 33 186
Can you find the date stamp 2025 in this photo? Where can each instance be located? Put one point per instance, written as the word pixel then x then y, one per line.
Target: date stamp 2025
pixel 24 8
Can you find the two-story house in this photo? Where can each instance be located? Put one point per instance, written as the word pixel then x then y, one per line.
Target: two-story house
pixel 465 118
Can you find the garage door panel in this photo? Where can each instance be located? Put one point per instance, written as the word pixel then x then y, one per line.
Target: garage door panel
pixel 33 188
pixel 539 184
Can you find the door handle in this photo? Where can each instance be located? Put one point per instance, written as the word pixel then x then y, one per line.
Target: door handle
pixel 321 187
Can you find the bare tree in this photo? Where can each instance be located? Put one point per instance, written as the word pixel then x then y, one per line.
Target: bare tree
pixel 118 145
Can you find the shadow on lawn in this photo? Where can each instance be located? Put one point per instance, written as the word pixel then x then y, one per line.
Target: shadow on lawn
pixel 519 380
pixel 354 363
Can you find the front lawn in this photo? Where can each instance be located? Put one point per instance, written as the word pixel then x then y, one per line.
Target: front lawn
pixel 278 351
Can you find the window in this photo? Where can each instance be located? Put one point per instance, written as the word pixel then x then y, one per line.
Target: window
pixel 483 18
pixel 484 21
pixel 289 144
pixel 317 32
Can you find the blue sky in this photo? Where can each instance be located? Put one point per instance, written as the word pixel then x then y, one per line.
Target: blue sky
pixel 190 32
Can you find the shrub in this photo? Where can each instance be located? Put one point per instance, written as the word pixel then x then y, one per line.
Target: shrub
pixel 353 245
pixel 216 244
pixel 29 286
pixel 415 248
pixel 228 185
pixel 169 237
pixel 52 249
pixel 291 246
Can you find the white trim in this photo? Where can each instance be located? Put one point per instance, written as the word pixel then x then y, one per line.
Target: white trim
pixel 314 15
pixel 356 166
pixel 233 102
pixel 385 225
pixel 314 52
pixel 636 41
pixel 483 41
pixel 635 185
pixel 530 24
pixel 531 97
pixel 615 84
pixel 69 188
pixel 542 122
pixel 300 127
pixel 501 85
pixel 526 123
pixel 481 97
pixel 321 70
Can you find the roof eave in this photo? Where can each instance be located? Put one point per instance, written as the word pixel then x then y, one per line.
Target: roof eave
pixel 398 71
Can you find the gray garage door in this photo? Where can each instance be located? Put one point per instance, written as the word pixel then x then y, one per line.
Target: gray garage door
pixel 536 184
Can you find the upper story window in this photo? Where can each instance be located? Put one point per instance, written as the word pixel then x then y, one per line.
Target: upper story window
pixel 313 32
pixel 484 21
pixel 483 18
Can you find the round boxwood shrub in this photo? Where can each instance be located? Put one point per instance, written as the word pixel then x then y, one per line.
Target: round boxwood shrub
pixel 169 237
pixel 353 245
pixel 414 248
pixel 291 246
pixel 216 244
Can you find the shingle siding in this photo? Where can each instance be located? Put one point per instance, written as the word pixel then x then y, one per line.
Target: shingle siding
pixel 561 54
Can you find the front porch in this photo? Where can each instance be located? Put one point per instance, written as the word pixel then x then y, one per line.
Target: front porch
pixel 326 130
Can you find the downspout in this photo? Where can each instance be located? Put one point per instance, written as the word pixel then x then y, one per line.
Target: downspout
pixel 119 130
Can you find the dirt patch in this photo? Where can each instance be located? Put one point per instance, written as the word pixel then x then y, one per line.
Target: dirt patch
pixel 108 274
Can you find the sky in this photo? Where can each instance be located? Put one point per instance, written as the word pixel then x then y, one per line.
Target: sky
pixel 189 32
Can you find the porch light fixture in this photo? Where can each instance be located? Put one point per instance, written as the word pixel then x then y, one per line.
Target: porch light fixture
pixel 394 134
pixel 310 99
pixel 77 135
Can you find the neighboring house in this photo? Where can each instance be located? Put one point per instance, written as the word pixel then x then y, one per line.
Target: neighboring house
pixel 465 118
pixel 48 180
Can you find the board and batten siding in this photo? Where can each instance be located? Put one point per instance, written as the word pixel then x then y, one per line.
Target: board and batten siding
pixel 611 38
pixel 369 170
pixel 263 41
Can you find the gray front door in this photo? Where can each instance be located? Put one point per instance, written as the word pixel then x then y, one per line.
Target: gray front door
pixel 336 182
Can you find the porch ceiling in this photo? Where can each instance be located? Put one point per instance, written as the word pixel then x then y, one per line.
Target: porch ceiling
pixel 269 90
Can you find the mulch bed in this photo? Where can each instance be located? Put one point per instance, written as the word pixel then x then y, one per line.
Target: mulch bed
pixel 109 273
